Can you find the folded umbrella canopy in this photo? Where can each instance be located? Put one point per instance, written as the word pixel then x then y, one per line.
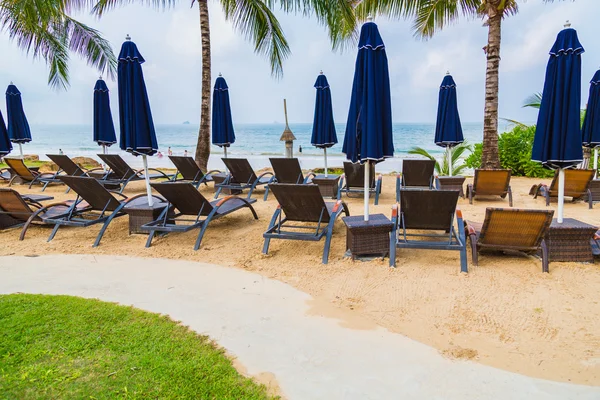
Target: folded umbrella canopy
pixel 558 143
pixel 448 130
pixel 223 134
pixel 323 133
pixel 104 128
pixel 368 135
pixel 591 122
pixel 18 127
pixel 135 118
pixel 5 145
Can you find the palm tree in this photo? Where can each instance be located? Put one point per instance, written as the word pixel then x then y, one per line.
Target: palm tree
pixel 44 29
pixel 431 16
pixel 256 21
pixel 456 153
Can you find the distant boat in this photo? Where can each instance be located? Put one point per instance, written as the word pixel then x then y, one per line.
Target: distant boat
pixel 186 122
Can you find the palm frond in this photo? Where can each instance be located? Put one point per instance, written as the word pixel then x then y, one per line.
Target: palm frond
pixel 102 6
pixel 514 122
pixel 533 101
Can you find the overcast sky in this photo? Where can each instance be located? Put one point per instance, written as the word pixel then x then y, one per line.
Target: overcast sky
pixel 170 43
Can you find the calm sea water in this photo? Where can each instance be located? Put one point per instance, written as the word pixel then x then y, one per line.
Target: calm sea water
pixel 257 142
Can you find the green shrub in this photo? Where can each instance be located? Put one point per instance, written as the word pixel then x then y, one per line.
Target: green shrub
pixel 515 153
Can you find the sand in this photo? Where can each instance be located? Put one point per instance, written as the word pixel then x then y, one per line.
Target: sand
pixel 505 313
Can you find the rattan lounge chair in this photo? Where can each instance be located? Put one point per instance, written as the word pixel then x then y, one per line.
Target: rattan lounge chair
pixel 490 182
pixel 20 170
pixel 121 173
pixel 507 229
pixel 190 172
pixel 287 170
pixel 424 216
pixel 16 211
pixel 5 174
pixel 242 176
pixel 352 181
pixel 415 174
pixel 303 204
pixel 188 201
pixel 94 205
pixel 577 186
pixel 70 168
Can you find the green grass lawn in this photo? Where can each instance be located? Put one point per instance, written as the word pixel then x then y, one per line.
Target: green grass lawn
pixel 72 348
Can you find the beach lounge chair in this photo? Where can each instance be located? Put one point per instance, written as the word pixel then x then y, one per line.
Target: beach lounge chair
pixel 490 182
pixel 5 174
pixel 121 173
pixel 17 210
pixel 69 167
pixel 20 170
pixel 416 174
pixel 242 176
pixel 424 219
pixel 190 172
pixel 188 201
pixel 303 204
pixel 287 170
pixel 352 181
pixel 577 186
pixel 94 205
pixel 510 229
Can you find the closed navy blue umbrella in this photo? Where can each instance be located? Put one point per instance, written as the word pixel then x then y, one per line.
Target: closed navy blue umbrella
pixel 137 128
pixel 223 134
pixel 18 127
pixel 591 122
pixel 557 143
pixel 104 128
pixel 369 128
pixel 323 133
pixel 5 145
pixel 448 130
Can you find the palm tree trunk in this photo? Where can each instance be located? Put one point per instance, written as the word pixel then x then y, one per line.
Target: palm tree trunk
pixel 203 145
pixel 490 159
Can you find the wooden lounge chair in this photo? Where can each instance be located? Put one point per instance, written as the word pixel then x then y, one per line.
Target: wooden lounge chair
pixel 242 176
pixel 20 170
pixel 431 211
pixel 416 174
pixel 188 201
pixel 287 170
pixel 303 204
pixel 577 186
pixel 190 172
pixel 94 205
pixel 17 210
pixel 352 181
pixel 70 168
pixel 121 173
pixel 490 182
pixel 510 229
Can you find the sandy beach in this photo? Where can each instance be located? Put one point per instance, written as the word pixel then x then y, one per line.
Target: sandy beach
pixel 505 313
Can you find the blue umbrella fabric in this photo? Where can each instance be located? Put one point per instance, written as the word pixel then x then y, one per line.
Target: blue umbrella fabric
pixel 18 127
pixel 104 128
pixel 558 142
pixel 223 134
pixel 591 122
pixel 448 130
pixel 5 145
pixel 323 132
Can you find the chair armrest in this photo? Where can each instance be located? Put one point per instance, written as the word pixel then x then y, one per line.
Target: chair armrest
pixel 337 206
pixel 120 194
pixel 224 199
pixel 266 173
pixel 137 196
pixel 379 177
pixel 459 213
pixel 213 172
pixel 395 211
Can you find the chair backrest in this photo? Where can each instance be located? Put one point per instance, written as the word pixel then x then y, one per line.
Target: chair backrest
pixel 355 175
pixel 240 169
pixel 287 170
pixel 428 209
pixel 117 165
pixel 514 228
pixel 184 197
pixel 187 167
pixel 418 173
pixel 90 190
pixel 491 182
pixel 302 203
pixel 13 204
pixel 66 164
pixel 19 168
pixel 577 182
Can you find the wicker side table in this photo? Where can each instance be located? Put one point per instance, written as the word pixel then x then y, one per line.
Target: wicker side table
pixel 328 185
pixel 570 241
pixel 370 237
pixel 451 183
pixel 141 213
pixel 220 178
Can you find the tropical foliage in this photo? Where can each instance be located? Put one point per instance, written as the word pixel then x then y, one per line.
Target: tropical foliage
pixel 458 162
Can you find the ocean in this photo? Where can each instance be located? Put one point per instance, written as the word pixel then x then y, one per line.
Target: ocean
pixel 257 142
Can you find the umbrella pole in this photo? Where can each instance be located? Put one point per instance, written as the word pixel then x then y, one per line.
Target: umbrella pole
pixel 561 194
pixel 103 152
pixel 21 150
pixel 148 189
pixel 325 156
pixel 367 176
pixel 595 162
pixel 225 151
pixel 448 150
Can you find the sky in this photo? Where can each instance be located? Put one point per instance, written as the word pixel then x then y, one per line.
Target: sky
pixel 170 42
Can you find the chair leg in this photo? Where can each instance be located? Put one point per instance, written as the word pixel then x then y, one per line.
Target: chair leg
pixel 470 193
pixel 201 234
pixel 265 249
pixel 150 237
pixel 106 223
pixel 545 255
pixel 266 193
pixel 397 189
pixel 590 199
pixel 328 241
pixel 547 196
pixel 218 192
pixel 463 259
pixel 53 233
pixel 377 191
pixel 45 185
pixel 393 235
pixel 474 253
pixel 510 200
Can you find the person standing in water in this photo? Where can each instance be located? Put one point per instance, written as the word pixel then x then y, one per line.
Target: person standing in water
pixel 300 149
pixel 185 154
pixel 170 152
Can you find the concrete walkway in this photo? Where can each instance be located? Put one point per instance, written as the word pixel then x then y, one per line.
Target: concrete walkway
pixel 265 324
